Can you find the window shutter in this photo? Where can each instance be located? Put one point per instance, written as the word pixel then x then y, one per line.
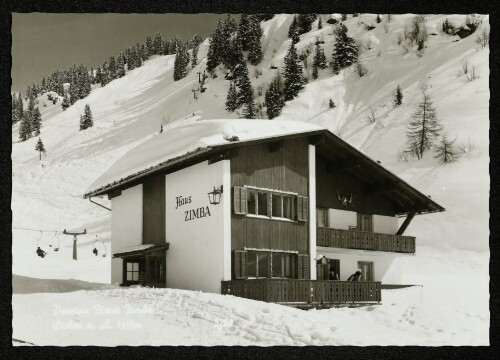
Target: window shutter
pixel 240 264
pixel 240 200
pixel 302 208
pixel 303 266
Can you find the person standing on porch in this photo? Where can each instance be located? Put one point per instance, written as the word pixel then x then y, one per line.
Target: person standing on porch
pixel 355 277
pixel 332 275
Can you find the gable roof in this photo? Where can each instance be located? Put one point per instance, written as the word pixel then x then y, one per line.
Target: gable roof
pixel 197 141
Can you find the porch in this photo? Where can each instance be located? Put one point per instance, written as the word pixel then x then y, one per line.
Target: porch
pixel 301 291
pixel 364 240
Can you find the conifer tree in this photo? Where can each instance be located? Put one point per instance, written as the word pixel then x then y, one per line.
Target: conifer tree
pixel 249 110
pixel 232 98
pixel 120 66
pixel 181 62
pixel 379 19
pixel 331 104
pixel 86 120
pixel 304 22
pixel 292 74
pixel 244 30
pixel 149 46
pixel 157 44
pixel 274 97
pixel 39 147
pixel 235 55
pixel 215 48
pixel 98 76
pixel 194 60
pixel 245 90
pixel 343 17
pixel 319 61
pixel 65 103
pixel 320 24
pixel 345 51
pixel 36 121
pixel 112 68
pixel 293 27
pixel 445 150
pixel 24 127
pixel 254 34
pixel 295 36
pixel 398 96
pixel 423 129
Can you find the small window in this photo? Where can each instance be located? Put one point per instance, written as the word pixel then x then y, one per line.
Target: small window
pixel 277 265
pixel 277 205
pixel 263 266
pixel 262 204
pixel 289 207
pixel 252 264
pixel 252 202
pixel 321 217
pixel 132 271
pixel 289 265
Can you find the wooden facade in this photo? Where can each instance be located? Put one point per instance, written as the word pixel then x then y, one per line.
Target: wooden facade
pixel 332 179
pixel 279 166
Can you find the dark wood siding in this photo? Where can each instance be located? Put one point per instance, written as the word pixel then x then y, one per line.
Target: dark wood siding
pixel 328 183
pixel 153 210
pixel 278 167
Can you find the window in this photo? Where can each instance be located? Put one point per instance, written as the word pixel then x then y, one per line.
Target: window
pixel 366 269
pixel 322 217
pixel 271 264
pixel 270 203
pixel 257 202
pixel 262 204
pixel 281 205
pixel 132 271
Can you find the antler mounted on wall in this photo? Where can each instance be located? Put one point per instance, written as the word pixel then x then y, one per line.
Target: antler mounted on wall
pixel 346 199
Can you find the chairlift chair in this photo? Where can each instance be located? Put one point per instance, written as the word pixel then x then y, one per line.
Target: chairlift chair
pixel 56 248
pixel 39 251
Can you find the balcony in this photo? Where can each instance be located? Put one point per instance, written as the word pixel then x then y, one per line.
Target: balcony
pixel 290 291
pixel 364 240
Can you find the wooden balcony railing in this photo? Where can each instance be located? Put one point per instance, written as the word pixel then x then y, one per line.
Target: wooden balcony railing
pixel 304 291
pixel 364 240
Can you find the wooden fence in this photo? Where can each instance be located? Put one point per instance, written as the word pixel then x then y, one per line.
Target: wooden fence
pixel 364 240
pixel 304 291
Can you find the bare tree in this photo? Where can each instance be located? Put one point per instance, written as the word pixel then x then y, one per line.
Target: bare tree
pixel 483 38
pixel 423 129
pixel 445 150
pixel 371 114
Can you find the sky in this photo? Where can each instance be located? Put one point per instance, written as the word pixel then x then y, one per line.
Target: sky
pixel 43 43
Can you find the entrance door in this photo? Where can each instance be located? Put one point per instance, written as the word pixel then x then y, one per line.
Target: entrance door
pixel 156 275
pixel 366 270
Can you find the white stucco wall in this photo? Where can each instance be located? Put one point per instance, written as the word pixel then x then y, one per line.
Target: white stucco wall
pixel 341 219
pixel 199 254
pixel 126 226
pixel 349 262
pixel 385 224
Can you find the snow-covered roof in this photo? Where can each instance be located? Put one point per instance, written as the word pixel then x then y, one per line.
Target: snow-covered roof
pixel 190 136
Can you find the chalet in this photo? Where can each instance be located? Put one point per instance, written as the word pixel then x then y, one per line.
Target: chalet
pixel 259 209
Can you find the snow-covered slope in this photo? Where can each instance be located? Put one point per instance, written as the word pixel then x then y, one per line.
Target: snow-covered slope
pixel 128 111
